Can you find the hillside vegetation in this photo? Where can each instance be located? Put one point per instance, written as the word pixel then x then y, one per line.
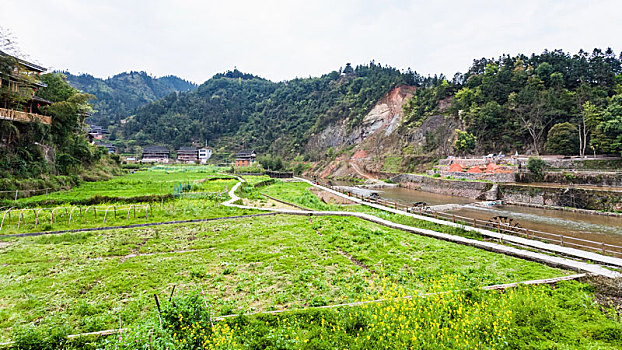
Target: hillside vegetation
pixel 118 97
pixel 31 153
pixel 234 110
pixel 553 102
pixel 520 102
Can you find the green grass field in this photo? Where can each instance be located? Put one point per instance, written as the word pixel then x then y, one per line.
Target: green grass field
pixel 89 281
pixel 153 181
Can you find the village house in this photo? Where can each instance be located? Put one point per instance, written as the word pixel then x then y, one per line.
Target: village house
pixel 24 83
pixel 187 154
pixel 97 132
pixel 156 154
pixel 111 149
pixel 205 154
pixel 245 158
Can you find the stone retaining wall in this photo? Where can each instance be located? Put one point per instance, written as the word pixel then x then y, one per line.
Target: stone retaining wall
pixel 493 177
pixel 592 199
pixel 469 189
pixel 611 179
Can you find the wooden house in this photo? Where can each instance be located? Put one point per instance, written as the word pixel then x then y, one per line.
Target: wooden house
pixel 156 154
pixel 187 154
pixel 245 158
pixel 97 132
pixel 22 84
pixel 111 149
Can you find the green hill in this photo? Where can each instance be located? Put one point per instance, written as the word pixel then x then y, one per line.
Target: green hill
pixel 237 110
pixel 118 97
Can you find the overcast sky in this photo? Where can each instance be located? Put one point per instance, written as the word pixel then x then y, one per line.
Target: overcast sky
pixel 280 40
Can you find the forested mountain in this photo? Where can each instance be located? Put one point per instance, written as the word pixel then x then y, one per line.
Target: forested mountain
pixel 237 110
pixel 118 97
pixel 532 103
pixel 553 102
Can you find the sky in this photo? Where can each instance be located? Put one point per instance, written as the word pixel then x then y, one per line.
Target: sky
pixel 281 40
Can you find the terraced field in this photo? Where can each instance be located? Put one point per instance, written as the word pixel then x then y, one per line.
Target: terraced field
pixel 91 281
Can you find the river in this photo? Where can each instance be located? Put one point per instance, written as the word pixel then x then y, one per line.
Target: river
pixel 599 228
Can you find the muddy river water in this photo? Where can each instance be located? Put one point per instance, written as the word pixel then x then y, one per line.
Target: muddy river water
pixel 593 227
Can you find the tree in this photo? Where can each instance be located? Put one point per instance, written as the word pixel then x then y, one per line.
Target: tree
pixel 590 117
pixel 563 138
pixel 531 109
pixel 465 142
pixel 611 125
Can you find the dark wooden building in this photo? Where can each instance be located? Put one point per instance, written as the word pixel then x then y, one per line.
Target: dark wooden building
pixel 23 83
pixel 187 154
pixel 245 158
pixel 156 154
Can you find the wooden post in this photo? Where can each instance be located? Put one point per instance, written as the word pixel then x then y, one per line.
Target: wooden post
pixel 527 232
pixel 159 311
pixel 561 239
pixel 475 222
pixel 499 226
pixel 436 215
pixel 453 218
pixel 602 247
pixel 16 195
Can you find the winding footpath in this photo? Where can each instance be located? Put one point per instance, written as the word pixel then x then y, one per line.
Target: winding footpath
pixel 554 261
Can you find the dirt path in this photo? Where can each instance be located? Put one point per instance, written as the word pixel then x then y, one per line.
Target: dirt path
pixel 358 170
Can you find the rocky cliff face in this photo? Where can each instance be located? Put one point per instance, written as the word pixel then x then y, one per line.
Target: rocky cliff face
pixel 386 116
pixel 379 143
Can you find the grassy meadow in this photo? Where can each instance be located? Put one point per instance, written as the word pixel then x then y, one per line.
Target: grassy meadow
pixel 204 191
pixel 90 280
pixel 54 285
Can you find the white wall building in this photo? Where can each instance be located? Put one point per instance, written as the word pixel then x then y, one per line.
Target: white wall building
pixel 204 155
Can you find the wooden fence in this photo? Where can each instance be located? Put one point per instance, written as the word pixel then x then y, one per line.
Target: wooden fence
pixel 33 217
pixel 563 240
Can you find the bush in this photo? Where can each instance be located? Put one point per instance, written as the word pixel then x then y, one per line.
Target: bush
pixel 536 166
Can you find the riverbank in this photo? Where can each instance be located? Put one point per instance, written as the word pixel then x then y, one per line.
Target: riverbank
pixel 600 199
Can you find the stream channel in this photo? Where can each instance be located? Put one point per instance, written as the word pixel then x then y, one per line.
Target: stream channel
pixel 598 228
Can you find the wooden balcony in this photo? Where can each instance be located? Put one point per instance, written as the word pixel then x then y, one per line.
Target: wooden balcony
pixel 19 116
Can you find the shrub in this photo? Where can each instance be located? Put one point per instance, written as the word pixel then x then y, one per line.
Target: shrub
pixel 536 166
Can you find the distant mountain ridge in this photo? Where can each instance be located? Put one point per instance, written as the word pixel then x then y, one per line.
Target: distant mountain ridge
pixel 236 110
pixel 119 96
